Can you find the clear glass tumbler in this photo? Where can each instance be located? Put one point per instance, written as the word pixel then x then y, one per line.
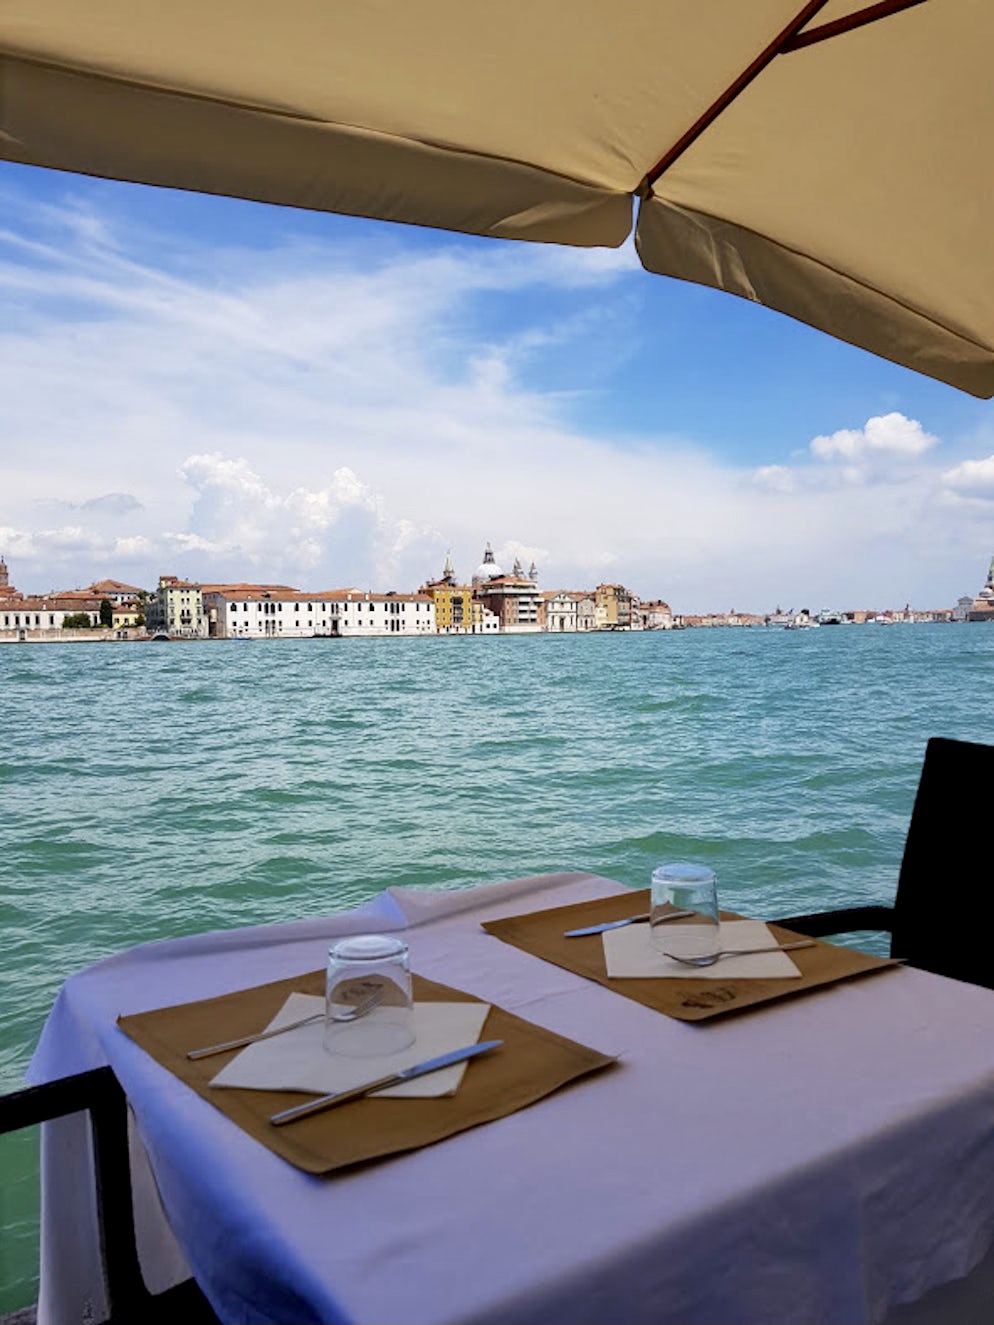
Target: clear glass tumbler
pixel 369 1005
pixel 682 886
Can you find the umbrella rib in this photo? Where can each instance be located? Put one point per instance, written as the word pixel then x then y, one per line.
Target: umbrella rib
pixel 790 39
pixel 734 89
pixel 852 21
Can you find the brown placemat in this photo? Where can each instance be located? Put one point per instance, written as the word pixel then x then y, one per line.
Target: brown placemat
pixel 541 934
pixel 531 1064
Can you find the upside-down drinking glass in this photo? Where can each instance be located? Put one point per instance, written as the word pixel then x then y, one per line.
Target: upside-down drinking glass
pixel 369 1006
pixel 682 886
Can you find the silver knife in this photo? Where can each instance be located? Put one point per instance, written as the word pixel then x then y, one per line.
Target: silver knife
pixel 394 1079
pixel 616 924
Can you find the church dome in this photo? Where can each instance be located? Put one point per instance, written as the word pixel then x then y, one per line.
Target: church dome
pixel 487 568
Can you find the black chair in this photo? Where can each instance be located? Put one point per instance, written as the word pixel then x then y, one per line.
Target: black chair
pixel 99 1094
pixel 943 912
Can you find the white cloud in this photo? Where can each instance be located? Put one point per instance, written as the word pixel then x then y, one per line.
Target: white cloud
pixel 773 478
pixel 887 435
pixel 59 553
pixel 972 478
pixel 243 518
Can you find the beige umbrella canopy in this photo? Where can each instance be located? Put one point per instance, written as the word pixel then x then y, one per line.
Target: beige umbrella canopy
pixel 830 160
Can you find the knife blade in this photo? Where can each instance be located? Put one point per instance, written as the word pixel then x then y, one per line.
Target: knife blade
pixel 394 1079
pixel 616 924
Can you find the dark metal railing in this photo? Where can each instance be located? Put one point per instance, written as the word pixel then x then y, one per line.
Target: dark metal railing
pixel 99 1094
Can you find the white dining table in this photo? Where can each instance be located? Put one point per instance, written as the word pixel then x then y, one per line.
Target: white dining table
pixel 826 1158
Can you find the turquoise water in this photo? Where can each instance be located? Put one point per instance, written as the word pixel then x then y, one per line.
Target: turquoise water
pixel 156 790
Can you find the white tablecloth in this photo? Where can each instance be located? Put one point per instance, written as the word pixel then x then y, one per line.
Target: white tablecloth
pixel 824 1159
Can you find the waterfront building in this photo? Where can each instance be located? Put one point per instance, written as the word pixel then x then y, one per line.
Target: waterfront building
pixel 115 591
pixel 514 599
pixel 586 610
pixel 560 611
pixel 176 608
pixel 457 612
pixel 127 614
pixel 355 613
pixel 223 618
pixel 278 612
pixel 41 616
pixel 613 607
pixel 656 615
pixel 22 616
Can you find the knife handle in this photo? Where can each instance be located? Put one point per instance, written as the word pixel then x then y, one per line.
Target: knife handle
pixel 394 1079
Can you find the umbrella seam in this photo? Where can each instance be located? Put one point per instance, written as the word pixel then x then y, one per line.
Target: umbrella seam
pixel 291 116
pixel 836 271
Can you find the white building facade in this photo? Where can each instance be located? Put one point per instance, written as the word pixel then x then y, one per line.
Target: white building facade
pixel 656 615
pixel 560 612
pixel 40 615
pixel 245 612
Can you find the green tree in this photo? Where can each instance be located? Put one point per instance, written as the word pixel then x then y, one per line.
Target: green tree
pixel 76 620
pixel 106 613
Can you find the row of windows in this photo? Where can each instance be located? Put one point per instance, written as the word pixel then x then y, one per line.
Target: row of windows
pixel 276 627
pixel 268 608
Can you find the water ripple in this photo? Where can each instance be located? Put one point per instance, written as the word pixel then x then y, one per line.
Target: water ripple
pixel 157 792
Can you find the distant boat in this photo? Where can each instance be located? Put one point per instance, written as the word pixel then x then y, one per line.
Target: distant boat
pixel 882 620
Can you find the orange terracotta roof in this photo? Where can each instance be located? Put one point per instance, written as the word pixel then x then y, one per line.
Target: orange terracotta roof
pixel 57 603
pixel 242 588
pixel 259 593
pixel 114 586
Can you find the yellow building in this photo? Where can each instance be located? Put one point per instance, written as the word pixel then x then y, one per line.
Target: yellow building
pixel 613 607
pixel 127 614
pixel 457 611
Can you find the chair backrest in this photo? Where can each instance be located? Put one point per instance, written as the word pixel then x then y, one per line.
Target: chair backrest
pixel 944 909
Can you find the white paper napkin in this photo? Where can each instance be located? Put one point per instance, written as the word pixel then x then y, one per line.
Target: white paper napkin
pixel 629 952
pixel 298 1059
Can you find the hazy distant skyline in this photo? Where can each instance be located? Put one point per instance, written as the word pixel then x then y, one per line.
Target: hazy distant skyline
pixel 223 390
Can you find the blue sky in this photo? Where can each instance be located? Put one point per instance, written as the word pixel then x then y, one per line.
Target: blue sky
pixel 226 390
